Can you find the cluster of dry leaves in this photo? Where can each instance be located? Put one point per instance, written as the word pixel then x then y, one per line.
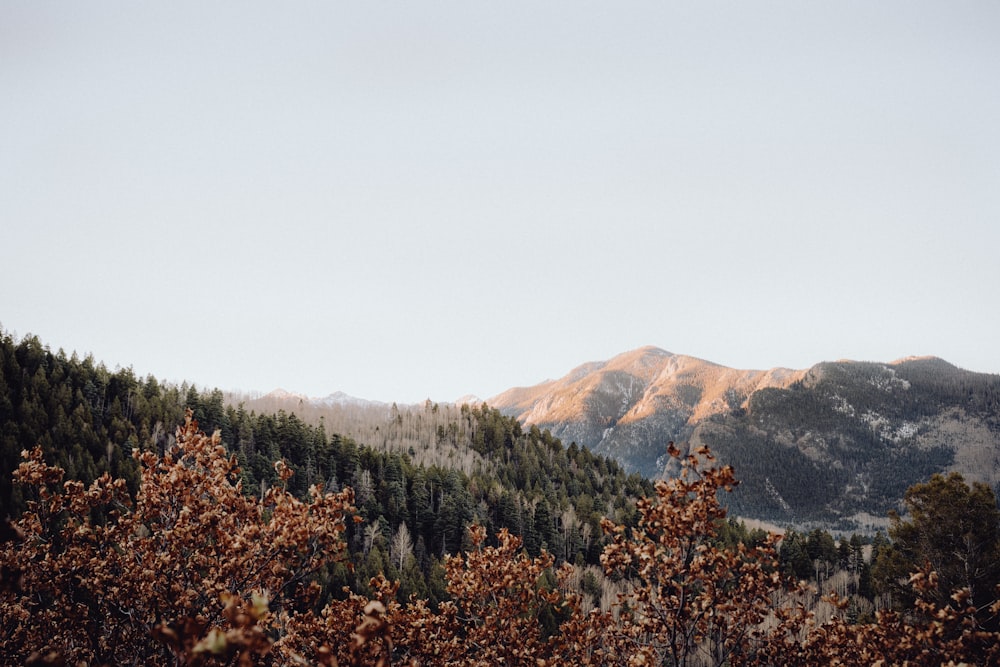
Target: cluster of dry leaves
pixel 195 572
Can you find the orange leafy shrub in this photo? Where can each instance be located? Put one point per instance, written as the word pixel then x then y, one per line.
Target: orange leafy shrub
pixel 689 601
pixel 493 616
pixel 931 634
pixel 194 572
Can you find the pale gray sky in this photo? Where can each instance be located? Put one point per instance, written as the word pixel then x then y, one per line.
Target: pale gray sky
pixel 403 200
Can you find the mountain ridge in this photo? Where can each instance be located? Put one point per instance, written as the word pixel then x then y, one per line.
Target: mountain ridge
pixel 652 375
pixel 857 429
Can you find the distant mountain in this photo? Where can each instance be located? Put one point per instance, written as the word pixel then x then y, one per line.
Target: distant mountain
pixel 280 394
pixel 336 398
pixel 624 406
pixel 340 398
pixel 838 443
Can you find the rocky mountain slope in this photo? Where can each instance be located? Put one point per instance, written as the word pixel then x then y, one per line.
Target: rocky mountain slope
pixel 837 444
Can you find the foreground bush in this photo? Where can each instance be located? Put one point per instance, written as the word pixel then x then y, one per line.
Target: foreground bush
pixel 195 572
pixel 192 568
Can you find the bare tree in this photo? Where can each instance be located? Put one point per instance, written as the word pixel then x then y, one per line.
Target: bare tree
pixel 373 533
pixel 401 546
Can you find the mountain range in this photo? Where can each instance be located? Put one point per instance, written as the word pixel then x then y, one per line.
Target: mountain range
pixel 836 444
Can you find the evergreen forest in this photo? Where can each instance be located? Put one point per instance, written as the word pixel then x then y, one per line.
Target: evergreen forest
pixel 485 469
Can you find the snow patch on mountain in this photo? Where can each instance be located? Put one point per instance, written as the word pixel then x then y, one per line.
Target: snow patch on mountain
pixel 889 381
pixel 887 429
pixel 842 406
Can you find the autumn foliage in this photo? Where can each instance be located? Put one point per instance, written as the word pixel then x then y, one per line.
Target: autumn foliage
pixel 193 571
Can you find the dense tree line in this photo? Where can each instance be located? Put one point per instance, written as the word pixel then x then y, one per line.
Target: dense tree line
pixel 85 417
pixel 953 529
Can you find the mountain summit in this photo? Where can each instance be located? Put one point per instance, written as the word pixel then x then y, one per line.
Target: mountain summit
pixel 619 405
pixel 833 443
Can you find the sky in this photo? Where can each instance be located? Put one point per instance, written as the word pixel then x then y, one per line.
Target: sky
pixel 412 200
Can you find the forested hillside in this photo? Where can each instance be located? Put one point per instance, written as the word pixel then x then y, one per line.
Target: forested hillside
pixel 86 418
pixel 844 443
pixel 430 473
